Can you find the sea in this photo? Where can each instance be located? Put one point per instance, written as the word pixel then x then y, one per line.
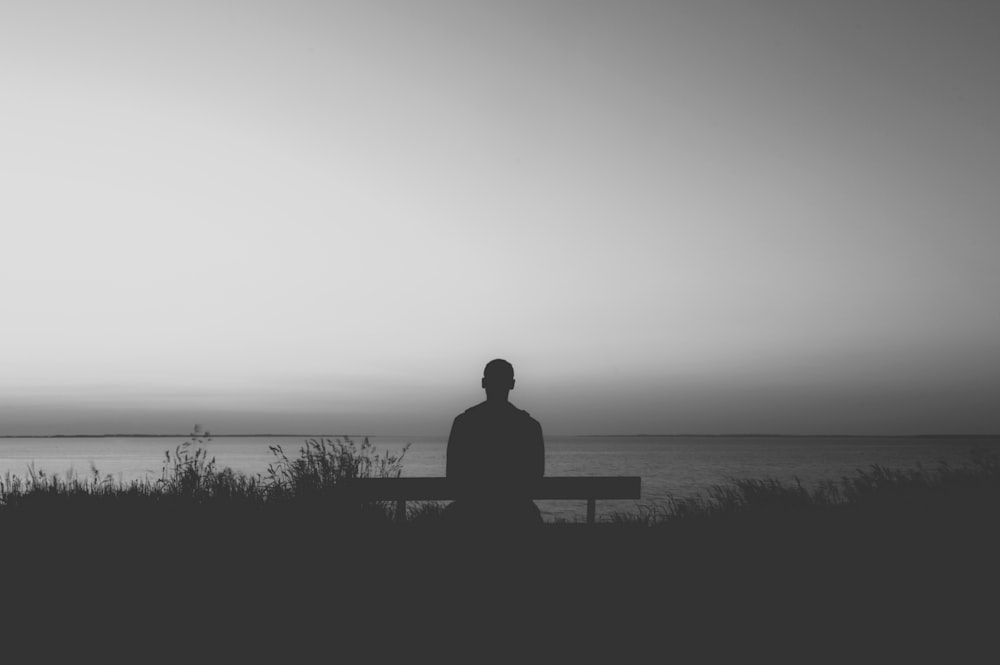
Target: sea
pixel 669 466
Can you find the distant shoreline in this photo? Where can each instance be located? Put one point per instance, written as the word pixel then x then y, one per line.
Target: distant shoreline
pixel 789 436
pixel 189 435
pixel 206 435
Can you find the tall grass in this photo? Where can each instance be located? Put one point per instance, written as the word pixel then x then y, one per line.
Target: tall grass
pixel 191 477
pixel 968 490
pixel 323 464
pixel 306 482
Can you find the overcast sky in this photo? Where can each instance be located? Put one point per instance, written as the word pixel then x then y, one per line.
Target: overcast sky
pixel 693 216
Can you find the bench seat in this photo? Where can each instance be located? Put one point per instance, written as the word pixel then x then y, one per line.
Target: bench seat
pixel 402 490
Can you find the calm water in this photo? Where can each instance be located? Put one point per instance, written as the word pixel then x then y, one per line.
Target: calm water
pixel 668 465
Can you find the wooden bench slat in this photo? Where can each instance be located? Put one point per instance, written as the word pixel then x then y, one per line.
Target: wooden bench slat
pixel 444 489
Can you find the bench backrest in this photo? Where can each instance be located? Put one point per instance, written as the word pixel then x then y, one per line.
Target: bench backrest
pixel 444 489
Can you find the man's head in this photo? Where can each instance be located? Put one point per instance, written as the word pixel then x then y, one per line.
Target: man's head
pixel 498 379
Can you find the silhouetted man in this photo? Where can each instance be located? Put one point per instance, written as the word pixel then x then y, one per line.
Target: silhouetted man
pixel 495 453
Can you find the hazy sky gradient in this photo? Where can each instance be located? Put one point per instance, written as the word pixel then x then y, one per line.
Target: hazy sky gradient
pixel 694 216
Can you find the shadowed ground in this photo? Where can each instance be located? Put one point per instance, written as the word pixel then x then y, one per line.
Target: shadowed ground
pixel 761 590
pixel 885 567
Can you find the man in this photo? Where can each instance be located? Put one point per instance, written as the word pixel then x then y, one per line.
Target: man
pixel 495 454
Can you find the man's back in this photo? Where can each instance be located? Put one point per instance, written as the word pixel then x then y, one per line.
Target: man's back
pixel 495 454
pixel 496 447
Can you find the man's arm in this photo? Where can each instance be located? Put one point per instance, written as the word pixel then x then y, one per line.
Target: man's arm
pixel 537 451
pixel 453 465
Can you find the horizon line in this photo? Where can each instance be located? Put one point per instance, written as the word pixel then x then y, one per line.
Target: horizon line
pixel 746 435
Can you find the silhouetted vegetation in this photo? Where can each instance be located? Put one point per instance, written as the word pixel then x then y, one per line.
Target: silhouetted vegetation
pixel 971 489
pixel 747 568
pixel 191 479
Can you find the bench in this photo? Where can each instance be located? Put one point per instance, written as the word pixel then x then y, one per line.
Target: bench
pixel 402 490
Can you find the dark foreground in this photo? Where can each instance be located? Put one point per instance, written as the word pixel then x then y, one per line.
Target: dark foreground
pixel 809 590
pixel 888 566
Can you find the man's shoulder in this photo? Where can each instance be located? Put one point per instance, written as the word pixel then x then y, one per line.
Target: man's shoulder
pixel 472 415
pixel 523 415
pixel 473 410
pixel 484 409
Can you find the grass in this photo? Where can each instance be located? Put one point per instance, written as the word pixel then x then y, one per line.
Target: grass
pixel 191 482
pixel 968 491
pixel 307 481
pixel 906 555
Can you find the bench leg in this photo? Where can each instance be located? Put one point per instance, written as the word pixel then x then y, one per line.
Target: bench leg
pixel 591 510
pixel 400 510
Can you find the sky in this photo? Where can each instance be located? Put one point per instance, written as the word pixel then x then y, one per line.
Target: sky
pixel 671 217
